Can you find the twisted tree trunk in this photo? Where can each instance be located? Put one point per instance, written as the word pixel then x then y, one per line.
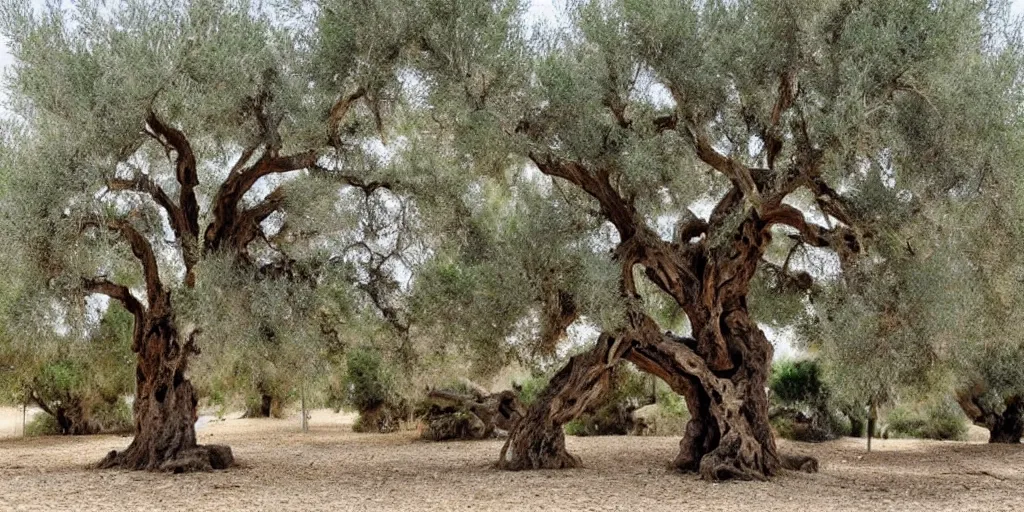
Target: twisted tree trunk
pixel 537 441
pixel 73 419
pixel 729 435
pixel 165 403
pixel 1006 426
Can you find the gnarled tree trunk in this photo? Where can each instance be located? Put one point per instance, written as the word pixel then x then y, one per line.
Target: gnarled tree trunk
pixel 1006 426
pixel 165 404
pixel 1011 427
pixel 479 415
pixel 73 419
pixel 729 435
pixel 537 441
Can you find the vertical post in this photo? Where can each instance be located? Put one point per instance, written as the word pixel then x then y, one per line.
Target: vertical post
pixel 872 416
pixel 24 408
pixel 302 394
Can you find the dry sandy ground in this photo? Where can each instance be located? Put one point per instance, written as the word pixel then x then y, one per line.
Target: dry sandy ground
pixel 331 468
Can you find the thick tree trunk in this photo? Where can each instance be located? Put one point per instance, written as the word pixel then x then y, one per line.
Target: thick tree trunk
pixel 1006 426
pixel 165 407
pixel 1010 427
pixel 537 441
pixel 73 419
pixel 729 435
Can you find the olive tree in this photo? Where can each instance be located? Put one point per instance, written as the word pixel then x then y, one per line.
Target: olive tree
pixel 648 108
pixel 150 139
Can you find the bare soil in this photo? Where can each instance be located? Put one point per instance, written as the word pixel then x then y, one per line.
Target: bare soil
pixel 332 468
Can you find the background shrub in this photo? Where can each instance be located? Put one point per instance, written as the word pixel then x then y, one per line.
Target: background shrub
pixel 933 419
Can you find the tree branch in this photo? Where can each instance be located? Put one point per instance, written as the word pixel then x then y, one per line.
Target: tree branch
pixel 841 239
pixel 117 292
pixel 770 134
pixel 247 226
pixel 141 249
pixel 368 187
pixel 143 184
pixel 339 110
pixel 185 170
pixel 739 174
pixel 615 208
pixel 225 203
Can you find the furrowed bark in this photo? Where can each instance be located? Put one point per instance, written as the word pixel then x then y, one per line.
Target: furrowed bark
pixel 729 435
pixel 165 404
pixel 537 441
pixel 724 370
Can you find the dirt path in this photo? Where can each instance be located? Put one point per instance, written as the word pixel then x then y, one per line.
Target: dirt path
pixel 332 468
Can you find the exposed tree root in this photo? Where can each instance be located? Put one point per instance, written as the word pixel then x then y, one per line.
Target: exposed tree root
pixel 197 458
pixel 799 463
pixel 450 415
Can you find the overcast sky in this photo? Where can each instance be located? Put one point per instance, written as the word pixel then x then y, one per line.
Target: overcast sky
pixel 540 11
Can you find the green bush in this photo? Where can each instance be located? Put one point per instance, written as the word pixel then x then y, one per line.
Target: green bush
pixel 670 401
pixel 797 381
pixel 531 388
pixel 934 419
pixel 42 425
pixel 113 417
pixel 802 406
pixel 575 427
pixel 785 428
pixel 367 384
pixel 369 387
pixel 101 417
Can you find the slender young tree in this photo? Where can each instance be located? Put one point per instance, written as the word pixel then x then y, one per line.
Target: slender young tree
pixel 159 132
pixel 650 109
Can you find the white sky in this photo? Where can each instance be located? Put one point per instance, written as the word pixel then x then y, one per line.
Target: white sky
pixel 540 11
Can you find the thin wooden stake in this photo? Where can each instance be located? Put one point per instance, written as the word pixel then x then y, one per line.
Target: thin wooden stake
pixel 302 394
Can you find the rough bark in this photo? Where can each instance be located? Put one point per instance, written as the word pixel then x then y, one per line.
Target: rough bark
pixel 729 435
pixel 1011 428
pixel 381 419
pixel 165 403
pixel 480 415
pixel 1006 426
pixel 537 441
